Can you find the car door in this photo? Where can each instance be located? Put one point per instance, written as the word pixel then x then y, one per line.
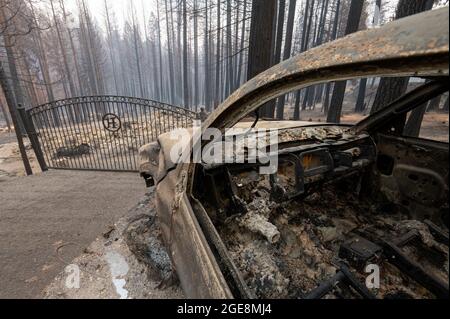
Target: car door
pixel 413 173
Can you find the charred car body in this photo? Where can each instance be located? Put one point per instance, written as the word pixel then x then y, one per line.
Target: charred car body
pixel 344 199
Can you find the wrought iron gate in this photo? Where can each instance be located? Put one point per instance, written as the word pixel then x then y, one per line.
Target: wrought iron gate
pixel 99 132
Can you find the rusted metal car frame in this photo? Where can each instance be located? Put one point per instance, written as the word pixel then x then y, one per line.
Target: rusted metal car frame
pixel 414 46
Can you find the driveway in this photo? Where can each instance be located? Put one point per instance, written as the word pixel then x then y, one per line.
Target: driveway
pixel 54 211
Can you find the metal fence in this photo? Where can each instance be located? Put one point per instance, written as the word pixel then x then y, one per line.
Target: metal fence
pixel 99 132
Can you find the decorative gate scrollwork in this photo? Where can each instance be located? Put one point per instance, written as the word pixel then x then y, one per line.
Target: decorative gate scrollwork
pixel 100 132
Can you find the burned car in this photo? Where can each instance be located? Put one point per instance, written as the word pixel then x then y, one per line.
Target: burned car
pixel 344 201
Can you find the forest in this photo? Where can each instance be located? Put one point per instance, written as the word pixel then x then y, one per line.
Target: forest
pixel 192 53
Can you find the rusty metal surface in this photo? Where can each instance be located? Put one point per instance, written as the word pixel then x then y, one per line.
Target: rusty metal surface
pixel 416 178
pixel 416 45
pixel 197 269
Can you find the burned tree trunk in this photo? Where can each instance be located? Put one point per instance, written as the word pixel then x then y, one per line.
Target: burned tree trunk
pixel 261 41
pixel 72 48
pixel 42 59
pixel 334 112
pixel 319 39
pixel 326 102
pixel 137 55
pixel 13 112
pixel 196 90
pixel 229 50
pixel 110 47
pixel 287 51
pixel 217 79
pixel 391 88
pixel 170 55
pixel 185 59
pixel 30 85
pixel 280 27
pixel 361 96
pixel 63 53
pixel 278 44
pixel 161 91
pixel 305 25
pixel 207 61
pixel 360 106
pixel 241 48
pixel 412 127
pixel 235 84
pixel 305 42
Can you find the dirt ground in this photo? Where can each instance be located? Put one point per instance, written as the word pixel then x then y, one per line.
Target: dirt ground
pixel 128 261
pixel 435 125
pixel 43 212
pixel 11 164
pixel 53 219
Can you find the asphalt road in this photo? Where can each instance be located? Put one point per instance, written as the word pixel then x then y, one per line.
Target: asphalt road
pixel 56 210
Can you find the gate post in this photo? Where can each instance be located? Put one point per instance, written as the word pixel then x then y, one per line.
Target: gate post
pixel 32 135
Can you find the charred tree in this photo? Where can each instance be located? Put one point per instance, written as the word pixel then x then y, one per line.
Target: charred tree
pixel 360 106
pixel 241 47
pixel 391 88
pixel 354 16
pixel 171 88
pixel 412 127
pixel 360 100
pixel 185 59
pixel 235 84
pixel 196 89
pixel 287 51
pixel 110 47
pixel 229 52
pixel 306 16
pixel 68 72
pixel 218 44
pixel 14 117
pixel 278 44
pixel 261 42
pixel 160 59
pixel 326 102
pixel 305 45
pixel 280 27
pixel 207 68
pixel 72 48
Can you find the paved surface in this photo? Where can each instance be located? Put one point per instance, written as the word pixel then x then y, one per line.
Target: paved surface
pixel 63 210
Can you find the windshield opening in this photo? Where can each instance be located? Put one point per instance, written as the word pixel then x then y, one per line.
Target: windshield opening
pixel 317 105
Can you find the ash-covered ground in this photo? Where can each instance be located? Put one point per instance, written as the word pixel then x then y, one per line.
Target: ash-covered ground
pixel 286 250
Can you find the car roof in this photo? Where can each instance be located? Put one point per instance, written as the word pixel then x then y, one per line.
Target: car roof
pixel 417 45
